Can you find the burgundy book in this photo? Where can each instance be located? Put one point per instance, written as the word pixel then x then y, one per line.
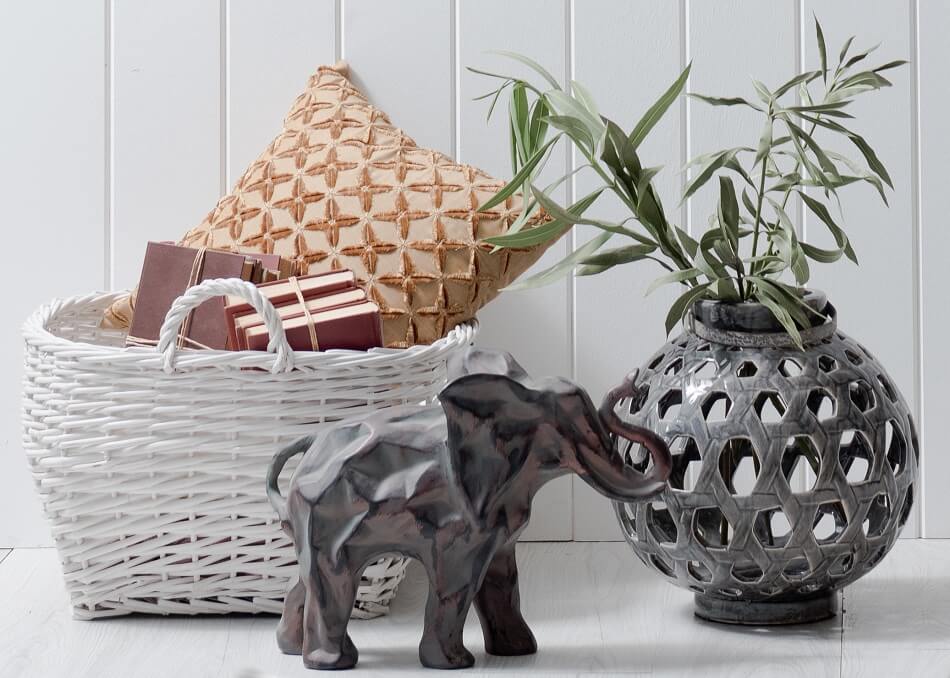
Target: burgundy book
pixel 281 292
pixel 167 272
pixel 293 310
pixel 354 326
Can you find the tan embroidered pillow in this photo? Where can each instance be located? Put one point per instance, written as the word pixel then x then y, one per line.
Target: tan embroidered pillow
pixel 341 187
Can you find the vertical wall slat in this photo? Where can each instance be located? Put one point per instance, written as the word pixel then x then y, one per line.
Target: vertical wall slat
pixel 53 140
pixel 167 124
pixel 875 300
pixel 273 48
pixel 401 56
pixel 533 325
pixel 627 54
pixel 933 64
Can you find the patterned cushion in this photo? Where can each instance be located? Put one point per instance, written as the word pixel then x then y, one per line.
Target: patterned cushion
pixel 341 187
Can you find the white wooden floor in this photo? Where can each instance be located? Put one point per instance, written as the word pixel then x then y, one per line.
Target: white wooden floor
pixel 593 607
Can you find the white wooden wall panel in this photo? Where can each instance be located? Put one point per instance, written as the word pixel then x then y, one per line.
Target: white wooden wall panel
pixel 769 56
pixel 876 300
pixel 626 66
pixel 167 124
pixel 932 62
pixel 54 189
pixel 533 325
pixel 272 49
pixel 401 55
pixel 158 107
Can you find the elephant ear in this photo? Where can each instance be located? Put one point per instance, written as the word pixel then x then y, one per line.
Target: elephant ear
pixel 482 361
pixel 491 421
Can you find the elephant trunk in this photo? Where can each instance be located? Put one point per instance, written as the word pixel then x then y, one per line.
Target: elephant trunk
pixel 608 473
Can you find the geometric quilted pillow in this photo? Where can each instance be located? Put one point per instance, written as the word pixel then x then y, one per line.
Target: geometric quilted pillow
pixel 341 187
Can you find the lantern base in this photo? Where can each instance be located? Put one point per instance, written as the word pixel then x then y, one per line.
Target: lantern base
pixel 804 610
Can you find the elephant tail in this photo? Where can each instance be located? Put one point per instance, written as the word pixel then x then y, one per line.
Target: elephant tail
pixel 276 465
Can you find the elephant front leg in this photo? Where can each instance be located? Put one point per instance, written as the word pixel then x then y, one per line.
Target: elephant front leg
pixel 498 604
pixel 441 646
pixel 453 582
pixel 290 628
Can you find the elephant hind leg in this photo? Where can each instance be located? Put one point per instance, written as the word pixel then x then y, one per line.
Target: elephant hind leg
pixel 330 594
pixel 498 604
pixel 290 628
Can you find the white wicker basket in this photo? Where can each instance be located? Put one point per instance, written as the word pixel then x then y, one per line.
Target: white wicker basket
pixel 150 463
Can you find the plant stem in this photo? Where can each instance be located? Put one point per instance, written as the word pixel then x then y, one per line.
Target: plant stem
pixel 758 219
pixel 798 163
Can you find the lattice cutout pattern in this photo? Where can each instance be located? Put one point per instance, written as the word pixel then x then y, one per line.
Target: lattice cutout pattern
pixel 341 187
pixel 793 472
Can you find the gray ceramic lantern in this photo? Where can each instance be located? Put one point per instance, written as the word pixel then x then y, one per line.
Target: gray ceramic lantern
pixel 793 471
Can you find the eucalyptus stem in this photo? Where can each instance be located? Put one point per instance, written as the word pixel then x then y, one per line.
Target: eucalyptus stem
pixel 758 215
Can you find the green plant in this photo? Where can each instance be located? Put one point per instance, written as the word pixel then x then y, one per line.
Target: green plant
pixel 751 243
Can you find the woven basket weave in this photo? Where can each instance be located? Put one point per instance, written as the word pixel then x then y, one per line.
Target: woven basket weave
pixel 150 463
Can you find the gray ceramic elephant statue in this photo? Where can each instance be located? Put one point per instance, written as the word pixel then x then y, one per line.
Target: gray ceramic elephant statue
pixel 450 486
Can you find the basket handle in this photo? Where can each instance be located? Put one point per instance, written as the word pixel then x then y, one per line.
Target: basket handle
pixel 216 287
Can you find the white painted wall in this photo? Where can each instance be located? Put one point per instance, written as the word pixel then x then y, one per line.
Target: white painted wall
pixel 126 119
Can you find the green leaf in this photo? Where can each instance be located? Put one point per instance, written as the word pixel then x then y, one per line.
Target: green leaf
pixel 562 219
pixel 869 155
pixel 890 64
pixel 656 111
pixel 619 255
pixel 725 289
pixel 674 277
pixel 821 211
pixel 860 56
pixel 687 242
pixel 614 142
pixel 781 315
pixel 575 129
pixel 583 95
pixel 797 80
pixel 787 182
pixel 724 101
pixel 871 158
pixel 646 176
pixel 762 91
pixel 573 215
pixel 682 304
pixel 826 165
pixel 822 52
pixel 765 142
pixel 565 104
pixel 538 127
pixel 729 213
pixel 518 115
pixel 549 230
pixel 518 180
pixel 707 169
pixel 844 50
pixel 530 63
pixel 825 108
pixel 822 255
pixel 748 204
pixel 561 268
pixel 706 261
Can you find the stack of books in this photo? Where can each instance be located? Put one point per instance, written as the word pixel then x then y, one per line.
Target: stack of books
pixel 318 312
